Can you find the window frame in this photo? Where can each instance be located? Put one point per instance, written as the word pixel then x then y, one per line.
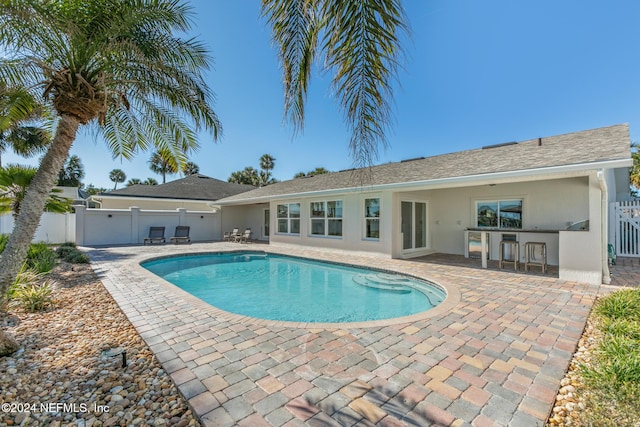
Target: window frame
pixel 499 217
pixel 325 218
pixel 289 219
pixel 366 218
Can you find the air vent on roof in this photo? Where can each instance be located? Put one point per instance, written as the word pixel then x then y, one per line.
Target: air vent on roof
pixel 411 160
pixel 347 170
pixel 504 144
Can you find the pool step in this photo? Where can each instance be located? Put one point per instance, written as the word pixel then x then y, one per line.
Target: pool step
pixel 386 282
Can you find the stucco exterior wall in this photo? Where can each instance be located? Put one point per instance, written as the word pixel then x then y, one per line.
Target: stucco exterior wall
pixel 131 226
pixel 549 204
pixel 353 231
pixel 153 204
pixel 245 216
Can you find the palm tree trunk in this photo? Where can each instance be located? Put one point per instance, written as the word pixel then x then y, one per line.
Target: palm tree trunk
pixel 33 204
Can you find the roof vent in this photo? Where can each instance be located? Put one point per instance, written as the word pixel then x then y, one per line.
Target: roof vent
pixel 504 144
pixel 411 160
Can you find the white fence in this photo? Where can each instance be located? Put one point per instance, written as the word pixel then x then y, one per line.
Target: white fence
pixel 131 226
pixel 625 227
pixel 53 228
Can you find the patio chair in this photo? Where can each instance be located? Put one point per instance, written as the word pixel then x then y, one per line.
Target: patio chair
pixel 231 235
pixel 156 235
pixel 244 237
pixel 181 235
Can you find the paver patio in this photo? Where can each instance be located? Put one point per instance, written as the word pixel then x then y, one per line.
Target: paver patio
pixel 493 354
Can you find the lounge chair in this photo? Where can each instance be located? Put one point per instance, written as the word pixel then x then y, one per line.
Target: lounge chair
pixel 230 236
pixel 181 235
pixel 244 237
pixel 156 235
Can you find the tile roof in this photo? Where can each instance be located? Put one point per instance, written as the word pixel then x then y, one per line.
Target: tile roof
pixel 193 187
pixel 585 147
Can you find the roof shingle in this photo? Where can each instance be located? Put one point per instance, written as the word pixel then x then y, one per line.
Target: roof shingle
pixel 590 146
pixel 193 187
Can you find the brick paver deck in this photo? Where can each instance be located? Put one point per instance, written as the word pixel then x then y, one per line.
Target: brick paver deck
pixel 493 354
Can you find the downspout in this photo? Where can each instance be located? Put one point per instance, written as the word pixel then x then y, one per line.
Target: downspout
pixel 604 227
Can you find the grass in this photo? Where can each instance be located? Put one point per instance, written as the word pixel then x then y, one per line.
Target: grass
pixel 612 379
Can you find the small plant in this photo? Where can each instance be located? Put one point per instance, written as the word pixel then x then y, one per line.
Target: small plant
pixel 72 254
pixel 29 291
pixel 44 261
pixel 41 257
pixel 32 297
pixel 621 304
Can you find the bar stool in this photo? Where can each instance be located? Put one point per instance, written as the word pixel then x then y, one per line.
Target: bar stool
pixel 515 253
pixel 530 252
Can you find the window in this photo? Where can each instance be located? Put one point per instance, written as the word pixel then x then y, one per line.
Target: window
pixel 500 213
pixel 372 218
pixel 289 218
pixel 326 218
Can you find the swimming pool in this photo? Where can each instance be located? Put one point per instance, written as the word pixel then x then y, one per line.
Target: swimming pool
pixel 279 287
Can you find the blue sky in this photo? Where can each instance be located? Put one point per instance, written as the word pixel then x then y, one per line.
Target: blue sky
pixel 475 73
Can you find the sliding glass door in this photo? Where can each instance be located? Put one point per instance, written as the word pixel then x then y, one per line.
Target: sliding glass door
pixel 414 225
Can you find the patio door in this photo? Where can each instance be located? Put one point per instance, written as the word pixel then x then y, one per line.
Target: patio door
pixel 265 223
pixel 413 225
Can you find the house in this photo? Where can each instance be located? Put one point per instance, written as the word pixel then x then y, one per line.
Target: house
pixel 535 190
pixel 194 192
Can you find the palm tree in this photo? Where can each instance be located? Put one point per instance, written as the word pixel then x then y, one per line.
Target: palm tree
pixel 248 176
pixel 110 64
pixel 133 181
pixel 14 181
pixel 71 174
pixel 190 168
pixel 162 163
pixel 18 112
pixel 117 175
pixel 360 45
pixel 149 181
pixel 317 171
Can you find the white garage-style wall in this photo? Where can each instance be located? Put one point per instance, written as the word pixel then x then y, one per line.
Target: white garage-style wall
pixel 131 226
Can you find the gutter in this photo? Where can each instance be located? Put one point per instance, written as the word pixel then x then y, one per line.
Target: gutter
pixel 604 227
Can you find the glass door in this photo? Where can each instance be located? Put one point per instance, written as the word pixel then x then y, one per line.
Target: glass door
pixel 265 224
pixel 413 225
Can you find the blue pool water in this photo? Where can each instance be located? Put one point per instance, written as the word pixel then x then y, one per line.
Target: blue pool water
pixel 277 287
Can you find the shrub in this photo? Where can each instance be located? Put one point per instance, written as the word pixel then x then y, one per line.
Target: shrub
pixel 622 304
pixel 33 296
pixel 72 255
pixel 29 291
pixel 64 251
pixel 43 262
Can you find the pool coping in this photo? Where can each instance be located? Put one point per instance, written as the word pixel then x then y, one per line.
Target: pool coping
pixel 451 300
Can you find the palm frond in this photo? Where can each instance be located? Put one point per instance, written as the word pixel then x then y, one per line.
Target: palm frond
pixel 294 25
pixel 362 47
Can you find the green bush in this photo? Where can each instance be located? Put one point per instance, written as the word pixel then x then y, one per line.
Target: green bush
pixel 64 251
pixel 43 261
pixel 29 291
pixel 72 255
pixel 32 297
pixel 622 304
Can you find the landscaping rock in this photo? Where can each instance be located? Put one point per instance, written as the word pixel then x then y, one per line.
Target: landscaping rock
pixel 61 372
